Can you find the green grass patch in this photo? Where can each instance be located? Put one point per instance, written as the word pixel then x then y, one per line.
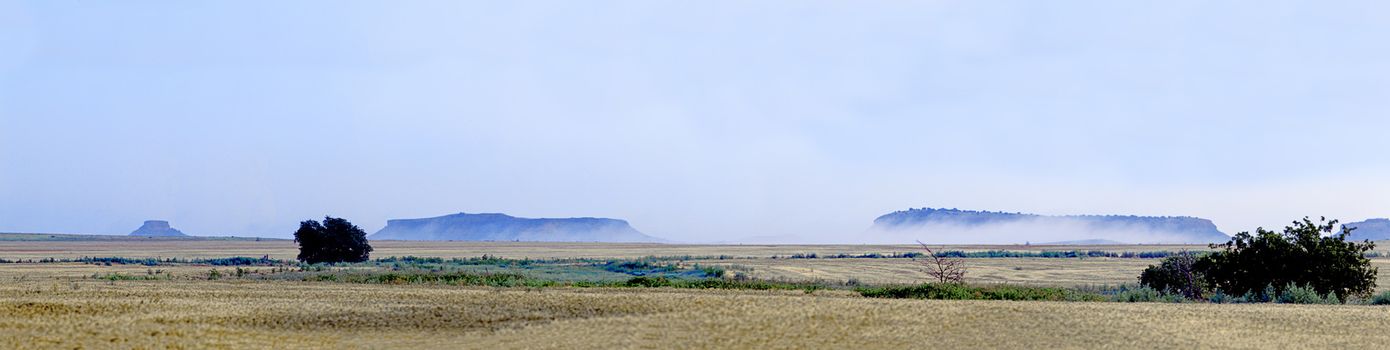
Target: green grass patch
pixel 454 278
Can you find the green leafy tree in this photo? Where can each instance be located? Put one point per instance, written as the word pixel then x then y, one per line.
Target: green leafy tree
pixel 1176 274
pixel 335 240
pixel 1305 254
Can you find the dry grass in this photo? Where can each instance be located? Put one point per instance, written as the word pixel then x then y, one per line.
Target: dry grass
pixel 56 305
pixel 1024 271
pixel 1021 271
pixel 1028 271
pixel 70 271
pixel 212 314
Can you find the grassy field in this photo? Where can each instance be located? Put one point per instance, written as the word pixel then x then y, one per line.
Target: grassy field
pixel 231 314
pixel 94 305
pixel 752 260
pixel 1028 271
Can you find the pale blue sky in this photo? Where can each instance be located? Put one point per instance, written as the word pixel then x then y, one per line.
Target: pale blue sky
pixel 696 121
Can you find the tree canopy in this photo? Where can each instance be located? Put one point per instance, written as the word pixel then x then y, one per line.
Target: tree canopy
pixel 1302 256
pixel 335 240
pixel 1175 274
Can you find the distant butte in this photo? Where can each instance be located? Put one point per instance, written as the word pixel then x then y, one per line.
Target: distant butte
pixel 1372 229
pixel 502 227
pixel 157 228
pixel 1082 229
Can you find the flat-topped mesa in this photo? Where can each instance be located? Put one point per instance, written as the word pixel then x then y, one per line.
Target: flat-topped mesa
pixel 1371 229
pixel 502 227
pixel 970 226
pixel 157 228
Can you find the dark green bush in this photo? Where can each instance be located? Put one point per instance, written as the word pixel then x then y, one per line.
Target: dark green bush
pixel 648 282
pixel 639 267
pixel 1175 275
pixel 335 240
pixel 240 261
pixel 1220 297
pixel 1142 295
pixel 1294 294
pixel 1381 299
pixel 710 271
pixel 1300 256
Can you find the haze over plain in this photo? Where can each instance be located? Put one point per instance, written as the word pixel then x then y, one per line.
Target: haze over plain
pixel 694 122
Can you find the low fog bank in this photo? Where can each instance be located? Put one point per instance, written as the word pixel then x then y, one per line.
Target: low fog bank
pixel 1035 231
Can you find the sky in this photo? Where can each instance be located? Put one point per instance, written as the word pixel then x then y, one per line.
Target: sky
pixel 695 121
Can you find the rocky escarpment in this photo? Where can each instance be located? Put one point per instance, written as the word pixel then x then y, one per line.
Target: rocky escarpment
pixel 502 227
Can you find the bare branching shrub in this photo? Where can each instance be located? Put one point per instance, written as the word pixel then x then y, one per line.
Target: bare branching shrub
pixel 942 268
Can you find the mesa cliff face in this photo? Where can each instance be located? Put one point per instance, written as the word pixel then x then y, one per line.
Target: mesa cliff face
pixel 157 228
pixel 502 227
pixel 1372 229
pixel 969 226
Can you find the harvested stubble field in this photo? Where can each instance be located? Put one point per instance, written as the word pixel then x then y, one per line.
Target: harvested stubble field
pixel 235 314
pixel 1027 271
pixel 62 305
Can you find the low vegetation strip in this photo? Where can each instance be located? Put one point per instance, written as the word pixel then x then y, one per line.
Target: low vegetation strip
pixel 653 273
pixel 485 259
pixel 455 278
pixel 1126 294
pixel 956 291
pixel 507 280
pixel 1061 254
pixel 117 260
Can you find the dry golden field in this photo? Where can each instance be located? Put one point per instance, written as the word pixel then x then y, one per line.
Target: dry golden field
pixel 60 305
pixel 1027 271
pixel 231 314
pixel 1024 271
